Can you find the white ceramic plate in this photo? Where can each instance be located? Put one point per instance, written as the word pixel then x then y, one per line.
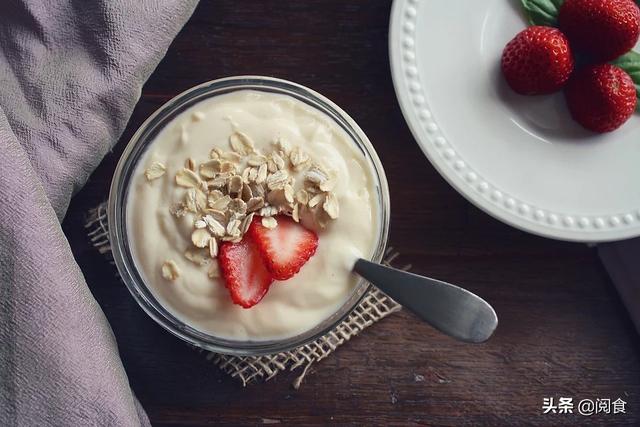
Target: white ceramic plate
pixel 521 159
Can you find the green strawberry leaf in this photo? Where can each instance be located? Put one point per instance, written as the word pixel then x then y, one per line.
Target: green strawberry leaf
pixel 542 12
pixel 630 62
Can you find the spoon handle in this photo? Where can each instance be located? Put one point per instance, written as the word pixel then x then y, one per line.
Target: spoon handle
pixel 450 309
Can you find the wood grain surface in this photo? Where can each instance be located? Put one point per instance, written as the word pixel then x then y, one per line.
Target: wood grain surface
pixel 563 329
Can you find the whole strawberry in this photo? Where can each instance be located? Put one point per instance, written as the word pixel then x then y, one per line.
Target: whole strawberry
pixel 601 97
pixel 537 61
pixel 603 29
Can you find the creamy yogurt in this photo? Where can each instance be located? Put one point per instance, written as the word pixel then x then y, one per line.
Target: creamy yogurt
pixel 290 307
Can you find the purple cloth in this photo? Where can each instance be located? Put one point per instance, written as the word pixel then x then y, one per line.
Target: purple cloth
pixel 71 72
pixel 621 260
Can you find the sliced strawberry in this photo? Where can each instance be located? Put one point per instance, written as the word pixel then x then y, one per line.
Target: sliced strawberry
pixel 244 272
pixel 285 248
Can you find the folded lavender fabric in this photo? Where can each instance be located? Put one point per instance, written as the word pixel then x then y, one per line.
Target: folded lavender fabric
pixel 621 261
pixel 70 73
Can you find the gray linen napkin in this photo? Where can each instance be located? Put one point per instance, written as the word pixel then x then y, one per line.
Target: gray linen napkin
pixel 70 73
pixel 622 261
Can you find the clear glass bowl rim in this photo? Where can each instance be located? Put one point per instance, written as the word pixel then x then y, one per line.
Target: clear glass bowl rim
pixel 117 214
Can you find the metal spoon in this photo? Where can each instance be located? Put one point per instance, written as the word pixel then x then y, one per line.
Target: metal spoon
pixel 450 309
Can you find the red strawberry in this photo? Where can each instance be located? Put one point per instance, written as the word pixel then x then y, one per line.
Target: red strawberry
pixel 601 97
pixel 244 272
pixel 603 29
pixel 537 61
pixel 285 248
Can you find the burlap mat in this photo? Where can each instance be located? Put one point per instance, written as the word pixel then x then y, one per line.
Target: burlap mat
pixel 373 307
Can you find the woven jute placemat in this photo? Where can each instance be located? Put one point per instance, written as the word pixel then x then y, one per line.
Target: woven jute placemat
pixel 374 306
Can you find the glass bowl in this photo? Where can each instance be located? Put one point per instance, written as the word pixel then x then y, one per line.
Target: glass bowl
pixel 120 186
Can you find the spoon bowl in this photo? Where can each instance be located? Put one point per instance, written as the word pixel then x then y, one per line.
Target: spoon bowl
pixel 448 308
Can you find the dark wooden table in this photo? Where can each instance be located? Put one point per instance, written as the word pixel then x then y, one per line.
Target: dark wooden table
pixel 563 329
